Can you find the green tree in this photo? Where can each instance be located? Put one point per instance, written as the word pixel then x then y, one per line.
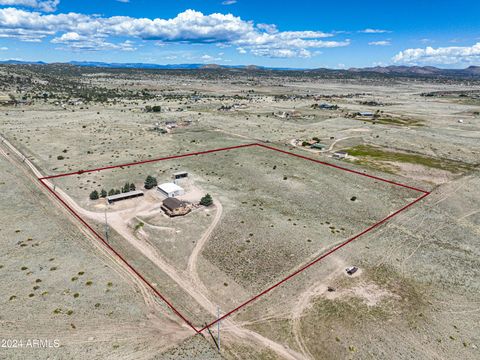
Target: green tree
pixel 126 187
pixel 150 182
pixel 117 192
pixel 94 195
pixel 132 187
pixel 206 200
pixel 103 193
pixel 111 192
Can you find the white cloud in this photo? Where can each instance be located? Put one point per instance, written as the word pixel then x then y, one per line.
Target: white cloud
pixel 3 48
pixel 374 31
pixel 229 2
pixel 79 42
pixel 442 55
pixel 42 5
pixel 380 43
pixel 187 27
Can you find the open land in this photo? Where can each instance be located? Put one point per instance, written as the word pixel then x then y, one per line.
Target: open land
pixel 415 294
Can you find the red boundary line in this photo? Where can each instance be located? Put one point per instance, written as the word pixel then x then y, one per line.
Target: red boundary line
pixel 169 304
pixel 94 232
pixel 79 172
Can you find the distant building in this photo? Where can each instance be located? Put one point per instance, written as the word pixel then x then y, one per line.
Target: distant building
pixel 174 207
pixel 328 106
pixel 365 113
pixel 6 100
pixel 170 124
pixel 180 175
pixel 318 146
pixel 340 155
pixel 124 196
pixel 170 190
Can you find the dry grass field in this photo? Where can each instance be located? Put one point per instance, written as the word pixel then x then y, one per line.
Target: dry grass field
pixel 415 294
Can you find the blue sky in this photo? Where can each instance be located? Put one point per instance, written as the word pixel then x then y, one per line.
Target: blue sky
pixel 301 34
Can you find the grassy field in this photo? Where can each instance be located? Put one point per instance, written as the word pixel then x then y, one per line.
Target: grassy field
pixel 368 153
pixel 278 213
pixel 85 301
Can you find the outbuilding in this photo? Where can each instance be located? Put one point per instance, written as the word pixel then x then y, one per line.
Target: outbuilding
pixel 170 190
pixel 365 113
pixel 340 155
pixel 318 146
pixel 180 175
pixel 124 196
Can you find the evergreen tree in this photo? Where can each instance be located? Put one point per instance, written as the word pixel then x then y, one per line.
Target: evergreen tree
pixel 126 187
pixel 150 182
pixel 103 193
pixel 132 187
pixel 206 200
pixel 94 195
pixel 111 192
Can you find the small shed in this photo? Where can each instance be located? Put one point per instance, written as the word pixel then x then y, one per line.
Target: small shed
pixel 170 190
pixel 180 175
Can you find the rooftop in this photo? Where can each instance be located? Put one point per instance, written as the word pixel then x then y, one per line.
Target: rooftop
pixel 125 195
pixel 170 187
pixel 173 203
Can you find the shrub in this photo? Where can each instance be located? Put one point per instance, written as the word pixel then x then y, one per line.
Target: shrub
pixel 103 193
pixel 206 200
pixel 60 157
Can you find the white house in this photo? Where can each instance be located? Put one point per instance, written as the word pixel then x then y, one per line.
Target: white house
pixel 340 155
pixel 170 190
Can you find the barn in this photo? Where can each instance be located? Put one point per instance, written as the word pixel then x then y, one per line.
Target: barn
pixel 170 190
pixel 124 196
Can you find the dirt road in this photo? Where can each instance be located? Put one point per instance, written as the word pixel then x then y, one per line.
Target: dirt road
pixel 232 330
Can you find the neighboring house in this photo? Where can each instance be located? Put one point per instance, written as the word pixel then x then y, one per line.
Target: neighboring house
pixel 340 155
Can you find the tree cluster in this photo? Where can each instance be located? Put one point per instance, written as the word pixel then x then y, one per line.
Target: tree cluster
pixel 154 108
pixel 95 195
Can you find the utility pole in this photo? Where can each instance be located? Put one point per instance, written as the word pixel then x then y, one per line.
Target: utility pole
pixel 218 328
pixel 106 224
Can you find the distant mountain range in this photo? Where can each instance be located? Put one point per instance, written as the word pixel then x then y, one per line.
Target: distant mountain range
pixel 425 71
pixel 419 70
pixel 146 65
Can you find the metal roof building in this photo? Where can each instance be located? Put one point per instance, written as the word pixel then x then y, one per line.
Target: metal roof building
pixel 170 189
pixel 124 196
